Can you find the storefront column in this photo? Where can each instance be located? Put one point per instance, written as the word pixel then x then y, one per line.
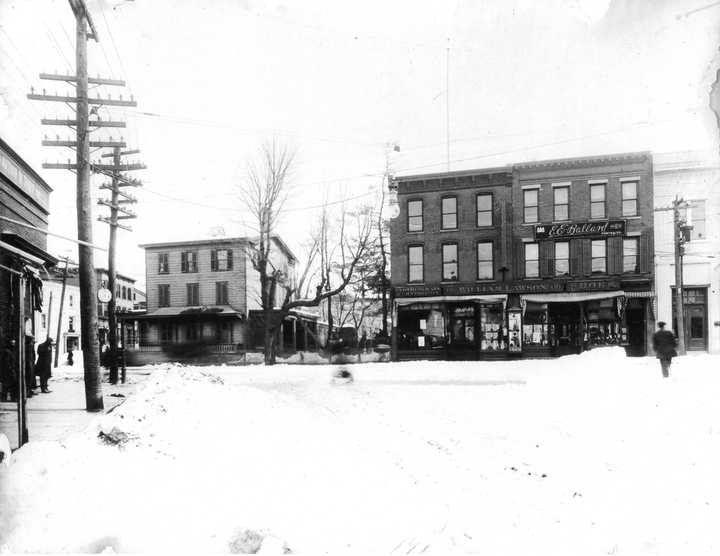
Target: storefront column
pixel 393 333
pixel 581 331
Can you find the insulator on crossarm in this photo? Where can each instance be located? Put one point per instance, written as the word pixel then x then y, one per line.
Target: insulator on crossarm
pixel 32 90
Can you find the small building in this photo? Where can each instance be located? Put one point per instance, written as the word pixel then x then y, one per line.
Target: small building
pixel 530 260
pixel 65 329
pixel 24 212
pixel 695 178
pixel 124 303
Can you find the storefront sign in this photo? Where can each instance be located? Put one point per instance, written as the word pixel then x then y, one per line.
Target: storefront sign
pixel 604 228
pixel 417 291
pixel 593 285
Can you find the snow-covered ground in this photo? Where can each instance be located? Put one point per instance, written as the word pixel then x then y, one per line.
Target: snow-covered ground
pixel 589 454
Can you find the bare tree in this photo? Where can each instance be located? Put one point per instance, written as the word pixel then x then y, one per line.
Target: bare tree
pixel 336 250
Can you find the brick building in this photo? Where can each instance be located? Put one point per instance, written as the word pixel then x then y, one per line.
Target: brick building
pixel 535 259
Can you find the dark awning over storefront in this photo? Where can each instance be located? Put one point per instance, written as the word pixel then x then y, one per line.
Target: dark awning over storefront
pixel 20 246
pixel 492 298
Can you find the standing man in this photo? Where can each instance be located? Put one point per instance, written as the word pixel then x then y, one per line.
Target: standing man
pixel 43 365
pixel 664 343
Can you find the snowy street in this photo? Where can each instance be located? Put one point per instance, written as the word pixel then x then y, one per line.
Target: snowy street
pixel 589 454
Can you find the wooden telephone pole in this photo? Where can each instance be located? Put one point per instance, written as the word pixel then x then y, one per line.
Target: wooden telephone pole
pixel 83 166
pixel 117 212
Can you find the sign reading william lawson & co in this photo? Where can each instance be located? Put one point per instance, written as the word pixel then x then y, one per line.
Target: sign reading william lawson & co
pixel 601 228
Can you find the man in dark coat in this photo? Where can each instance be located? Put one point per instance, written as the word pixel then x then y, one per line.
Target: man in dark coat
pixel 43 364
pixel 664 343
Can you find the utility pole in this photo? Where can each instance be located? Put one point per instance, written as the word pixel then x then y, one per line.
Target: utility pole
pixel 60 313
pixel 680 231
pixel 117 212
pixel 83 167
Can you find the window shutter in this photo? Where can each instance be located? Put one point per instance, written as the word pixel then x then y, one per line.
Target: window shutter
pixel 183 262
pixel 213 260
pixel 229 259
pixel 645 253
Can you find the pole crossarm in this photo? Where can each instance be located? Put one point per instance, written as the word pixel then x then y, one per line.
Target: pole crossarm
pixel 128 198
pixel 114 223
pixel 92 80
pixel 71 143
pixel 124 153
pixel 95 101
pixel 91 123
pixel 127 167
pixel 122 181
pixel 117 207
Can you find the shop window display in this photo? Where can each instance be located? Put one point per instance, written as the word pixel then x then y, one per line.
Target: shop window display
pixel 536 331
pixel 493 333
pixel 603 326
pixel 421 326
pixel 463 325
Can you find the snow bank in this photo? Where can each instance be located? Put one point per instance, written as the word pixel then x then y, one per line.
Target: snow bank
pixel 589 454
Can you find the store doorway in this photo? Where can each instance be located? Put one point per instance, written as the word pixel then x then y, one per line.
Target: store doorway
pixel 695 313
pixel 635 314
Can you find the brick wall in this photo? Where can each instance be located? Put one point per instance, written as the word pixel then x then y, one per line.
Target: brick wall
pixel 467 234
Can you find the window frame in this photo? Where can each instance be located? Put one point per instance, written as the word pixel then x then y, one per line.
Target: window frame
pixel 445 263
pixel 421 216
pixel 192 290
pixel 593 258
pixel 556 258
pixel 566 204
pixel 185 262
pixel 636 267
pixel 164 263
pixel 489 211
pixel 225 299
pixel 491 260
pixel 526 260
pixel 215 260
pixel 421 265
pixel 443 213
pixel 624 199
pixel 536 206
pixel 163 298
pixel 602 185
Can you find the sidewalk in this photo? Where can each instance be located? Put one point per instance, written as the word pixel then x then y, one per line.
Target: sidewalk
pixel 60 413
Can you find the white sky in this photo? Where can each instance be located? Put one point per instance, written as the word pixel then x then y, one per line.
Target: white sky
pixel 340 80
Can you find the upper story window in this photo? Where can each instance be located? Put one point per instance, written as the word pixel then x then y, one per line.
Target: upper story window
pixel 599 256
pixel 532 260
pixel 485 260
pixel 123 295
pixel 193 294
pixel 415 263
pixel 629 198
pixel 71 324
pixel 597 200
pixel 163 263
pixel 221 293
pixel 694 215
pixel 561 203
pixel 530 205
pixel 188 261
pixel 562 258
pixel 415 216
pixel 163 295
pixel 631 252
pixel 221 259
pixel 449 213
pixel 449 261
pixel 484 209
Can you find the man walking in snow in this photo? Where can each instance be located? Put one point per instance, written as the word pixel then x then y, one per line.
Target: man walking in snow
pixel 664 343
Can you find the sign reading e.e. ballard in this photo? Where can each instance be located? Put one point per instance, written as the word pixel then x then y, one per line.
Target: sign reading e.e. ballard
pixel 568 230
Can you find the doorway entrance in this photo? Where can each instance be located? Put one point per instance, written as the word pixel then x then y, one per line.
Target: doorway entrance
pixel 695 317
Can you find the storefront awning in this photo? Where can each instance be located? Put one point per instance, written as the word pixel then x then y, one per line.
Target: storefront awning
pixel 494 298
pixel 639 294
pixel 570 297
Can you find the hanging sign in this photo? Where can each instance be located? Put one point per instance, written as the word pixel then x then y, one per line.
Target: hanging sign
pixel 569 230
